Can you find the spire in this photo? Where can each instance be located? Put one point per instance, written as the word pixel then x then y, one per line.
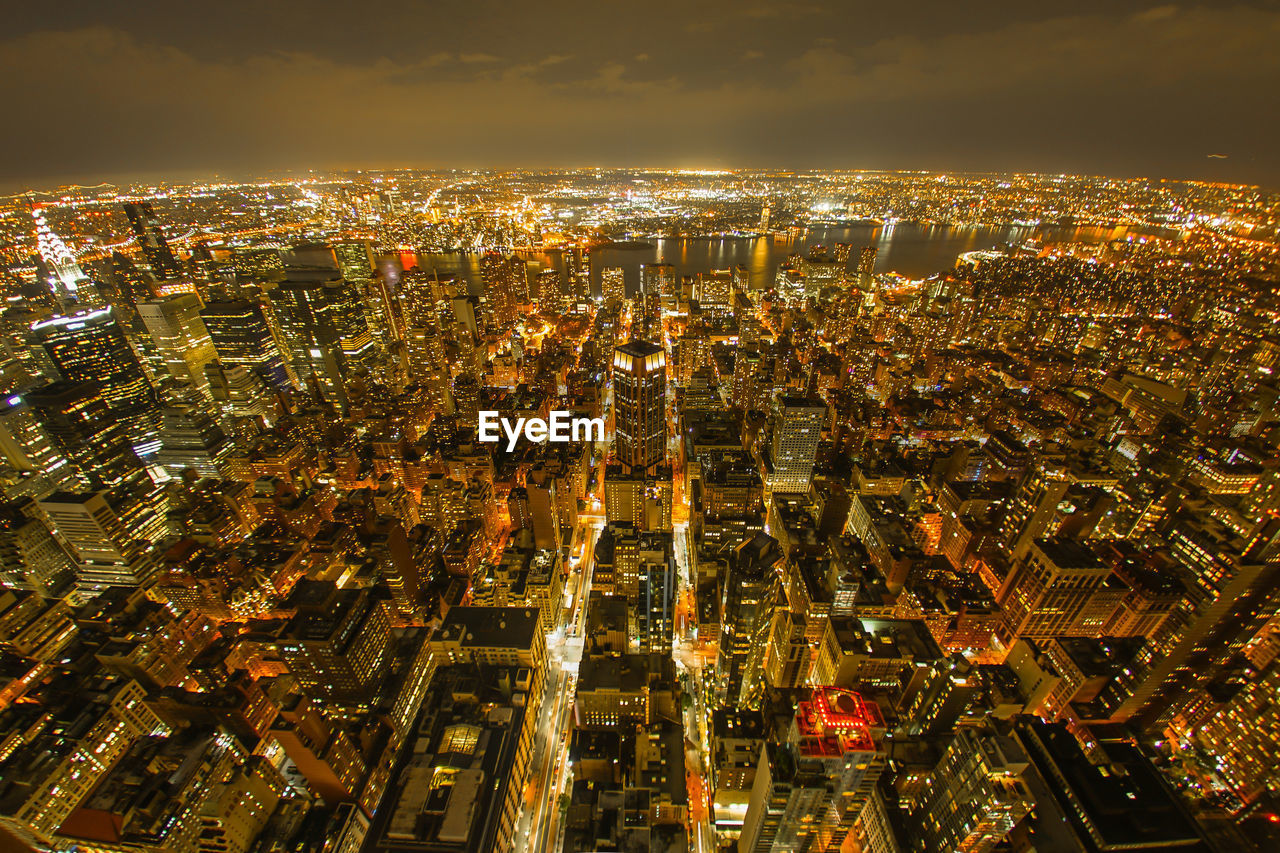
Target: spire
pixel 66 272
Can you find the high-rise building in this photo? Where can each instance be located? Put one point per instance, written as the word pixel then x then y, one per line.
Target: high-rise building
pixel 338 643
pixel 613 285
pixel 77 418
pixel 238 392
pixel 90 347
pixel 975 794
pixel 715 290
pixel 1058 589
pixel 31 557
pixel 108 552
pixel 312 328
pixel 577 267
pixel 866 266
pixel 506 287
pixel 190 438
pixel 180 336
pixel 38 464
pixel 639 404
pixel 809 790
pixel 1032 508
pixel 240 335
pixel 65 275
pixel 1232 594
pixel 155 248
pixel 749 590
pixel 797 428
pixel 658 280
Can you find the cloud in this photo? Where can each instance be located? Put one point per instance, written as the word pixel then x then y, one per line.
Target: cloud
pixel 1153 90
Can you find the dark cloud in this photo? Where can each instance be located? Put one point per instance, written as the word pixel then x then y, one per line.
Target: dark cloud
pixel 1144 89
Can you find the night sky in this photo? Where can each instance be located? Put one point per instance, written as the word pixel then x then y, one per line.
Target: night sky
pixel 96 90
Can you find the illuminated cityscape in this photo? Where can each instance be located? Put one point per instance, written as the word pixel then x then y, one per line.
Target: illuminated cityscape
pixel 715 427
pixel 873 553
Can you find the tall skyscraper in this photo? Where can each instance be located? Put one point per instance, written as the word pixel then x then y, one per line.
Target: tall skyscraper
pixel 506 286
pixel 1231 596
pixel 797 427
pixel 866 266
pixel 107 551
pixel 1058 589
pixel 77 418
pixel 975 794
pixel 241 336
pixel 90 347
pixel 577 267
pixel 146 228
pixel 613 284
pixel 181 337
pixel 715 290
pixel 749 590
pixel 321 333
pixel 810 789
pixel 30 452
pixel 658 280
pixel 639 404
pixel 65 275
pixel 30 557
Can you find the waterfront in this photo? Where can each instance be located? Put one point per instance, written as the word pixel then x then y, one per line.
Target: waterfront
pixel 912 250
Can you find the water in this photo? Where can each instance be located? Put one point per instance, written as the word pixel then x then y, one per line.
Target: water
pixel 915 251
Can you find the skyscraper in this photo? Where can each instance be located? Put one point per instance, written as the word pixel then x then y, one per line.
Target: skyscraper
pixel 241 336
pixel 866 266
pixel 797 426
pixel 506 286
pixel 146 228
pixel 810 789
pixel 108 552
pixel 77 418
pixel 28 450
pixel 180 335
pixel 90 347
pixel 974 795
pixel 749 590
pixel 639 404
pixel 65 274
pixel 613 284
pixel 658 280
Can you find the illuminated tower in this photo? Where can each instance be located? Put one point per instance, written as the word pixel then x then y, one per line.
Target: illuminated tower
pixel 749 592
pixel 577 264
pixel 866 266
pixel 66 273
pixel 810 789
pixel 797 426
pixel 639 404
pixel 241 336
pixel 78 420
pixel 89 347
pixel 146 228
pixel 27 448
pixel 658 280
pixel 977 793
pixel 613 284
pixel 181 337
pixel 506 286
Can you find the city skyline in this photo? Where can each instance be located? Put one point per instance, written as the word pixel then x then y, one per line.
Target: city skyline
pixel 374 480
